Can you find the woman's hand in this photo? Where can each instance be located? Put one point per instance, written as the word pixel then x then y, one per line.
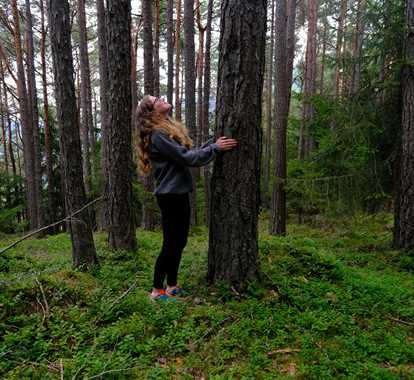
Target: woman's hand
pixel 225 143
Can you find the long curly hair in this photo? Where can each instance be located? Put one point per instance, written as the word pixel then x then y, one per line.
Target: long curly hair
pixel 148 119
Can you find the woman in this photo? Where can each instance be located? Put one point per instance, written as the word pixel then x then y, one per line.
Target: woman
pixel 166 148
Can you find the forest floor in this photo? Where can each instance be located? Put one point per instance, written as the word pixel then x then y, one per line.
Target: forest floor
pixel 335 302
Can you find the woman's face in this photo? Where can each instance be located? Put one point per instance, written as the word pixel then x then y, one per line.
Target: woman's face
pixel 161 105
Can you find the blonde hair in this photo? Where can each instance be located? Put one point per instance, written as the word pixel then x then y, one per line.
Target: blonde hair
pixel 147 120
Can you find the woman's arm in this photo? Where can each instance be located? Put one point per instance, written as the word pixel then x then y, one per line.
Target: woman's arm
pixel 180 154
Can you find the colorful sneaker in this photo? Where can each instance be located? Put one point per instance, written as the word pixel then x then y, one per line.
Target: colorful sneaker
pixel 174 291
pixel 161 295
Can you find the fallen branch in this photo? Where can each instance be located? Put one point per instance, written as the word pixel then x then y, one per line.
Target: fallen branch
pixel 402 322
pixel 283 351
pixel 123 295
pixel 70 217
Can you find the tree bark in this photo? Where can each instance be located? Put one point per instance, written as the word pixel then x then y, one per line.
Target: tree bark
pixel 157 49
pixel 269 95
pixel 148 47
pixel 121 217
pixel 206 106
pixel 47 131
pixel 26 125
pixel 290 43
pixel 190 83
pixel 278 211
pixel 356 51
pixel 83 248
pixel 233 246
pixel 8 123
pixel 34 113
pixel 178 61
pixel 200 69
pixel 103 96
pixel 85 97
pixel 170 51
pixel 148 181
pixel 405 229
pixel 339 44
pixel 306 142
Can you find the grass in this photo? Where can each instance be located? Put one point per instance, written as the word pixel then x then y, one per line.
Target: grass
pixel 334 302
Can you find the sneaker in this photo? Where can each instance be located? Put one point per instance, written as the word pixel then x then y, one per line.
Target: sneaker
pixel 174 291
pixel 161 295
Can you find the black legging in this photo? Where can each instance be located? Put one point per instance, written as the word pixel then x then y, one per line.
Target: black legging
pixel 175 219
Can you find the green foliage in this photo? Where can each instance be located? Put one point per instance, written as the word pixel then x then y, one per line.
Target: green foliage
pixel 325 308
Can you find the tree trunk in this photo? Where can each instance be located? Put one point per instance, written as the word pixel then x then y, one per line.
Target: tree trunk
pixel 339 43
pixel 83 248
pixel 103 96
pixel 121 217
pixel 356 51
pixel 48 136
pixel 190 82
pixel 307 143
pixel 233 246
pixel 148 47
pixel 170 50
pixel 206 106
pixel 33 111
pixel 3 118
pixel 323 57
pixel 177 62
pixel 8 122
pixel 27 125
pixel 269 94
pixel 85 98
pixel 290 43
pixel 405 229
pixel 157 50
pixel 278 213
pixel 148 181
pixel 200 67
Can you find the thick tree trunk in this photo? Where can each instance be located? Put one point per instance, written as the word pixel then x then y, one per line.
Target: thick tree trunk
pixel 26 124
pixel 278 212
pixel 405 208
pixel 85 98
pixel 83 248
pixel 206 106
pixel 121 216
pixel 103 96
pixel 178 61
pixel 170 51
pixel 269 95
pixel 233 246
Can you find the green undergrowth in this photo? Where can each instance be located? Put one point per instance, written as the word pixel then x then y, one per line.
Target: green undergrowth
pixel 334 302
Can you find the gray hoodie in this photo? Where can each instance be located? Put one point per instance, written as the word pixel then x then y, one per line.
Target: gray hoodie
pixel 170 161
